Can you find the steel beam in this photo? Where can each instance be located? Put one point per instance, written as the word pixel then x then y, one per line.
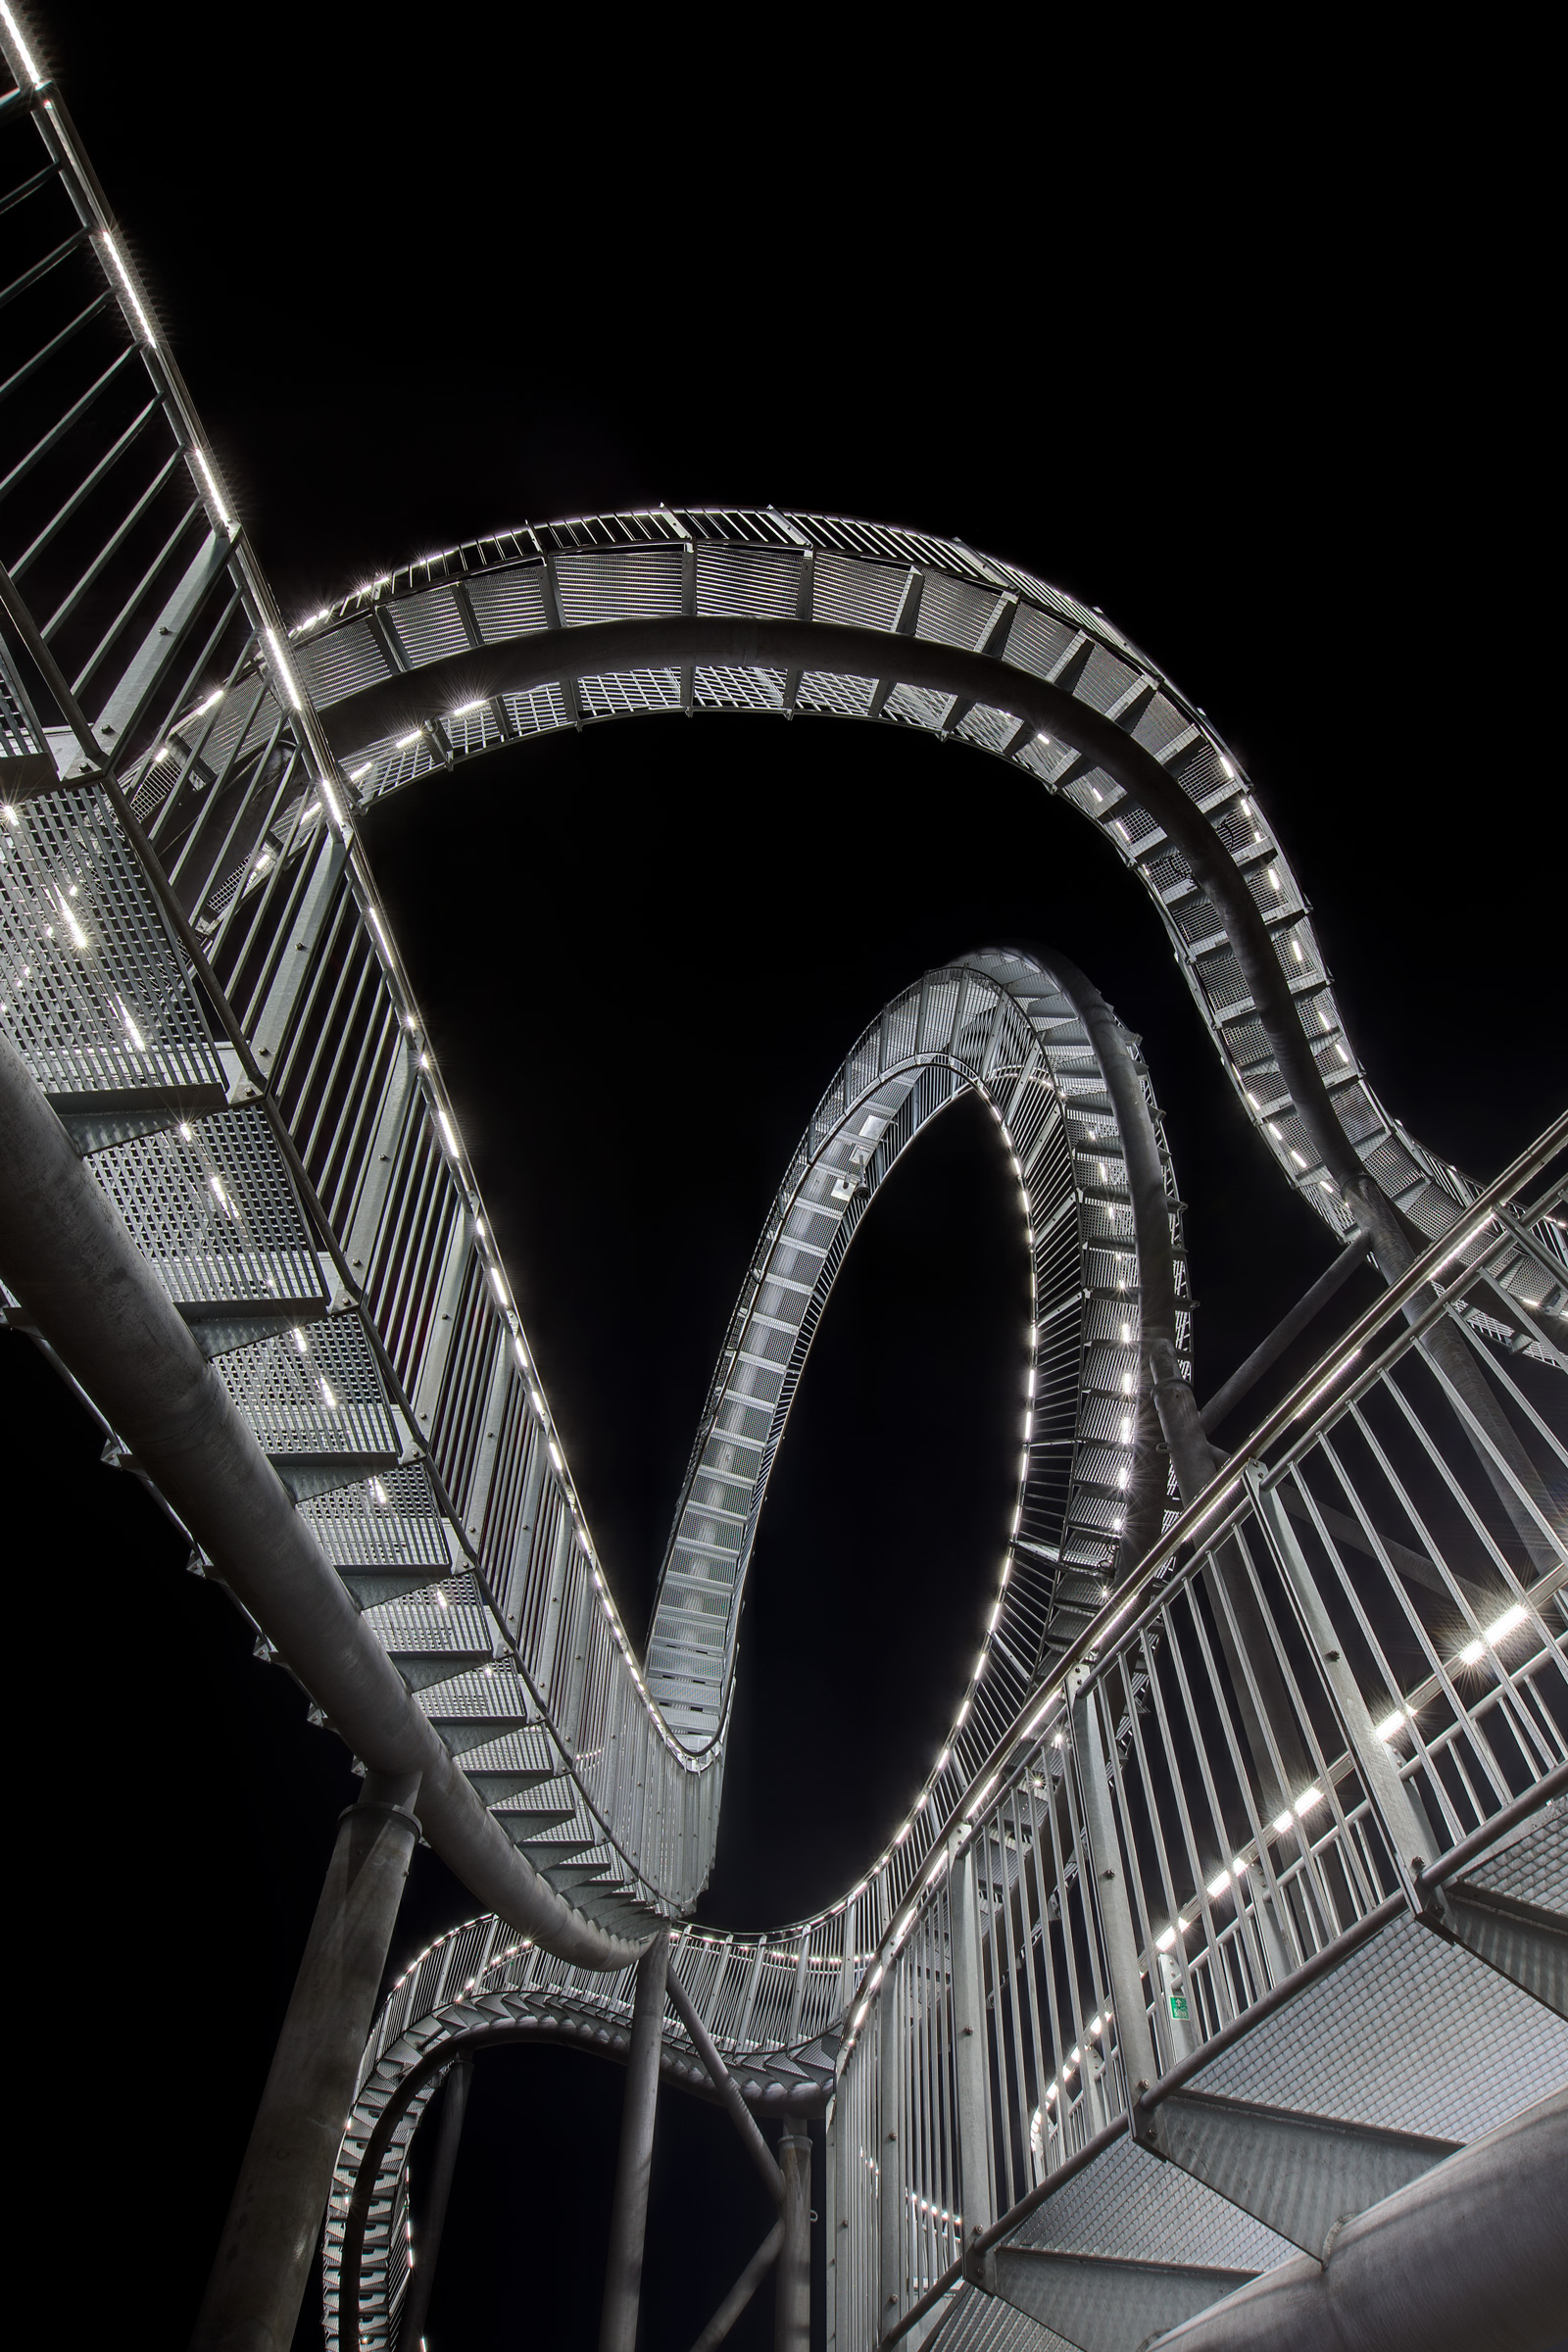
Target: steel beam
pixel 1289 1327
pixel 628 2218
pixel 972 2056
pixel 1135 2043
pixel 741 2294
pixel 257 2277
pixel 728 2091
pixel 792 2279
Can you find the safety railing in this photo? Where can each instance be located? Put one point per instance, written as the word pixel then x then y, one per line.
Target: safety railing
pixel 1339 1666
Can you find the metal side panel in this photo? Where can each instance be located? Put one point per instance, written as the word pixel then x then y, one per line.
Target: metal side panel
pixel 295 962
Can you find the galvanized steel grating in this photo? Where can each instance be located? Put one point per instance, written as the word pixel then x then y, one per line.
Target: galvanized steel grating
pixel 314 1390
pixel 212 1208
pixel 91 989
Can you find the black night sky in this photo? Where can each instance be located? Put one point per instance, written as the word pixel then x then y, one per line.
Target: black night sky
pixel 1252 380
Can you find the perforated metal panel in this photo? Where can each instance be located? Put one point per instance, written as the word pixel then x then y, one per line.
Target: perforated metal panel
pixel 92 994
pixel 212 1208
pixel 313 1391
pixel 389 1521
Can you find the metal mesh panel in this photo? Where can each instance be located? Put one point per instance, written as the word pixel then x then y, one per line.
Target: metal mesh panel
pixel 341 663
pixel 385 1522
pixel 740 689
pixel 736 579
pixel 622 693
pixel 94 996
pixel 619 584
pixel 430 626
pixel 316 1390
pixel 952 613
pixel 827 690
pixel 982 2324
pixel 212 1208
pixel 509 604
pixel 917 705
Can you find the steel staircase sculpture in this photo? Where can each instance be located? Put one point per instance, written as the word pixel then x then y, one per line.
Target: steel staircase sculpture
pixel 1257 1759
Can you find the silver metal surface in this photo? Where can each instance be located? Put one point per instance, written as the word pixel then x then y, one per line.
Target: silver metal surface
pixel 1105 2305
pixel 1345 1647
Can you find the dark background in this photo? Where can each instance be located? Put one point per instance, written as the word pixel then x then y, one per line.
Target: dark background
pixel 1260 374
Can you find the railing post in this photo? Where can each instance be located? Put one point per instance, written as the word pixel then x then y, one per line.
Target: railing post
pixel 1135 2043
pixel 1410 1841
pixel 257 2277
pixel 830 2267
pixel 970 2050
pixel 628 2219
pixel 889 2157
pixel 792 2279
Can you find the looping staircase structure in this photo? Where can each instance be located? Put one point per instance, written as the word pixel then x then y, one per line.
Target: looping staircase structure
pixel 1256 1775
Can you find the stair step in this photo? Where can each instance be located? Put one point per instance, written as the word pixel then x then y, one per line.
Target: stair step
pixel 460 1733
pixel 422 1669
pixel 535 1823
pixel 496 1787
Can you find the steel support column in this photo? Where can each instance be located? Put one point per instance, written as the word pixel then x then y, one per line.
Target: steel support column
pixel 792 2280
pixel 258 2278
pixel 623 2270
pixel 426 2254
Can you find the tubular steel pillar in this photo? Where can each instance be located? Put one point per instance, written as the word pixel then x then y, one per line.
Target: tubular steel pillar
pixel 623 2270
pixel 257 2277
pixel 422 2278
pixel 792 2280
